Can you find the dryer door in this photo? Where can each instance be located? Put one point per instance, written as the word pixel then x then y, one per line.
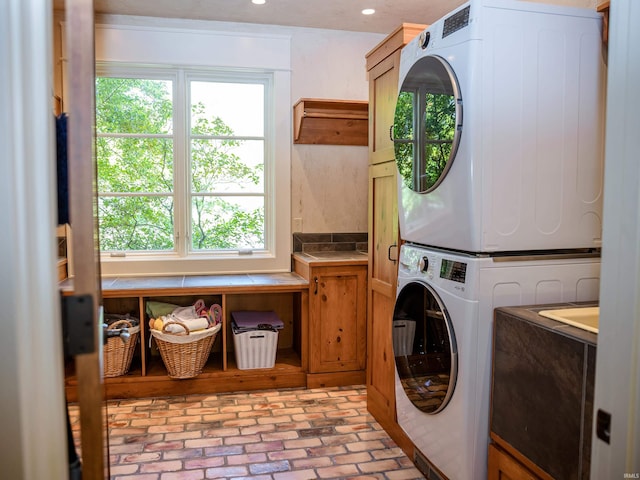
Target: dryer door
pixel 427 123
pixel 424 347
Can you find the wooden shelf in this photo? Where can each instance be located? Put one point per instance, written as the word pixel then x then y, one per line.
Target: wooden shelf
pixel 286 373
pixel 331 122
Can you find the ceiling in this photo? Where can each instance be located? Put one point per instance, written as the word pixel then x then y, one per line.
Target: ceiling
pixel 328 14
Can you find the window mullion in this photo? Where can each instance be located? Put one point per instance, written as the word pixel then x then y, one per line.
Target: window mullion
pixel 182 198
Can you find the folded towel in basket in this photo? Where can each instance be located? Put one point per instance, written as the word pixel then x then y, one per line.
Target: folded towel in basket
pixel 193 324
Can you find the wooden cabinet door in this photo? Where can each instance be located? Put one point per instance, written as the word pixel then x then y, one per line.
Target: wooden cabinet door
pixel 504 467
pixel 337 320
pixel 383 93
pixel 383 250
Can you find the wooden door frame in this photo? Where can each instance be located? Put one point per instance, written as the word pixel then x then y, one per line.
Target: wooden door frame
pixel 80 101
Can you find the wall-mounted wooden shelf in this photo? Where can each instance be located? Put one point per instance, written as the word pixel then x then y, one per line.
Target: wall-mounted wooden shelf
pixel 331 122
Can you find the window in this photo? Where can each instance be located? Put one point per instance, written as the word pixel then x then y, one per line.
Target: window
pixel 184 164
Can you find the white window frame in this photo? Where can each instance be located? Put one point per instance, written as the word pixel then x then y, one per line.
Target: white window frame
pixel 268 54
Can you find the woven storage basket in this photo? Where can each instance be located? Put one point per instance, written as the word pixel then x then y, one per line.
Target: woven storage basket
pixel 117 354
pixel 184 354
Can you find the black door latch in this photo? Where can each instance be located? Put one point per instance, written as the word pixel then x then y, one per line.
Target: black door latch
pixel 603 426
pixel 78 324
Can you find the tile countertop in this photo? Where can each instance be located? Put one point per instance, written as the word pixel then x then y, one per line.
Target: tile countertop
pixel 197 284
pixel 530 314
pixel 349 257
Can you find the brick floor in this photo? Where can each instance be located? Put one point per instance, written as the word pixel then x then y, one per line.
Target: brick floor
pixel 267 435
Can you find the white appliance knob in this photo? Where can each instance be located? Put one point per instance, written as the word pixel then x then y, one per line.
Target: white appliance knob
pixel 423 264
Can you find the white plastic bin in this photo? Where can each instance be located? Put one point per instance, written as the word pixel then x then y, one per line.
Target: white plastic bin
pixel 404 332
pixel 255 349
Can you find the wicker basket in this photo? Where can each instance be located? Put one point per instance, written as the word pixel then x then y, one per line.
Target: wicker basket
pixel 184 354
pixel 117 354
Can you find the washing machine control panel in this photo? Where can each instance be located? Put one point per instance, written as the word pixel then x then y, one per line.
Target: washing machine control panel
pixel 455 22
pixel 435 267
pixel 452 270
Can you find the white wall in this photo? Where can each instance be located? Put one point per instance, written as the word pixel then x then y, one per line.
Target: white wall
pixel 328 182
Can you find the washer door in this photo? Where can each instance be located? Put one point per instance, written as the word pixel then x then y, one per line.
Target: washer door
pixel 427 124
pixel 424 347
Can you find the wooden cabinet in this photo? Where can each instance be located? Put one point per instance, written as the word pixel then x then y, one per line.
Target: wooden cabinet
pixel 604 9
pixel 383 91
pixel 57 56
pixel 383 238
pixel 337 321
pixel 382 67
pixel 503 466
pixel 323 342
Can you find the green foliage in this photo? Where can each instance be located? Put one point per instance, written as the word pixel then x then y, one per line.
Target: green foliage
pixel 403 134
pixel 422 156
pixel 229 226
pixel 133 105
pixel 136 173
pixel 136 223
pixel 440 120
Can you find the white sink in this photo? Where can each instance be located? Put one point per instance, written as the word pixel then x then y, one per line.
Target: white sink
pixel 582 317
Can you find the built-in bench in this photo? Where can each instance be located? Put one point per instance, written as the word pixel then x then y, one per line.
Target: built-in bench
pixel 287 294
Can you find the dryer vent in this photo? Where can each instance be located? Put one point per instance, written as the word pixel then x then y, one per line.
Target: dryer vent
pixel 422 464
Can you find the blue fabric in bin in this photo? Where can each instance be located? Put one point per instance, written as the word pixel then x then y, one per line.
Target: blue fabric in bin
pixel 244 321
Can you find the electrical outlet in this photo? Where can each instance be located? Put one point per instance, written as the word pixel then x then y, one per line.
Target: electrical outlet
pixel 297 225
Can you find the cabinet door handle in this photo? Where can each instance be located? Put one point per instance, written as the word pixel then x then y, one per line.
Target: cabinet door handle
pixel 315 280
pixel 394 260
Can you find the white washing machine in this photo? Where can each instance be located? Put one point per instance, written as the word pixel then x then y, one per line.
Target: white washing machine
pixel 499 129
pixel 442 337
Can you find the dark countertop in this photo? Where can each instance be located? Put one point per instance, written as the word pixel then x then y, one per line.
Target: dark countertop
pixel 543 383
pixel 530 314
pixel 349 257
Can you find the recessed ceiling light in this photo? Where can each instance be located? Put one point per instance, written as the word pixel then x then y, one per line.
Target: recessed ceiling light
pixel 368 11
pixel 258 2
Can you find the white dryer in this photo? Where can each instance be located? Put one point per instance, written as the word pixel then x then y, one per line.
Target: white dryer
pixel 499 129
pixel 442 337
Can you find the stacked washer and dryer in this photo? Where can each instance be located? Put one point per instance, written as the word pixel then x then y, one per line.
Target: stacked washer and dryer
pixel 499 143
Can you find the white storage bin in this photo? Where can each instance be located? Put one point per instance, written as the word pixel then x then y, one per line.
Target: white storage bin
pixel 404 332
pixel 255 349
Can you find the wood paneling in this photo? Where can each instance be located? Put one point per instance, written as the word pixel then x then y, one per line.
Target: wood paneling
pixel 382 66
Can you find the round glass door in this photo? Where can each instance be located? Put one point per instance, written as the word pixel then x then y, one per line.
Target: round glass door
pixel 424 347
pixel 427 124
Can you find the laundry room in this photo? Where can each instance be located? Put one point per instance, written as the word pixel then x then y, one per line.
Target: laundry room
pixel 389 241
